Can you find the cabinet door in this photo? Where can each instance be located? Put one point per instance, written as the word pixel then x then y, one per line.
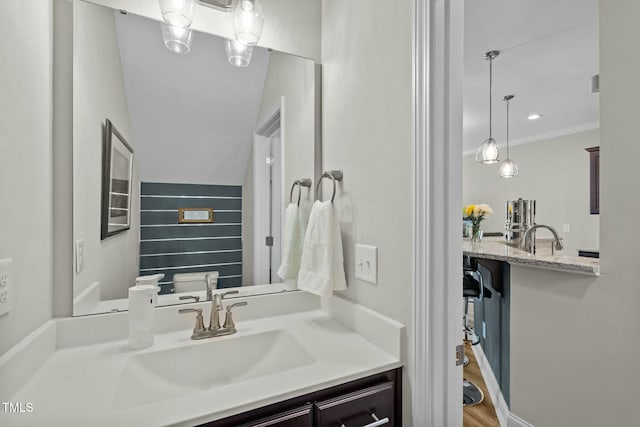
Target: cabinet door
pixel 300 417
pixel 367 407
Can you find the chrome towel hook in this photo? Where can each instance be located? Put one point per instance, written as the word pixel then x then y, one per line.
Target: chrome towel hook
pixel 335 175
pixel 304 182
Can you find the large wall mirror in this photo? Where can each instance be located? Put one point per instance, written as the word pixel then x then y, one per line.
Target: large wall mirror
pixel 215 149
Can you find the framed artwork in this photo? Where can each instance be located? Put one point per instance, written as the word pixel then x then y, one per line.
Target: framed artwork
pixel 117 174
pixel 195 215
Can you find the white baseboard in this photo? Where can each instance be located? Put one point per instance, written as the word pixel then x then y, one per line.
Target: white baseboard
pixel 516 421
pixel 500 405
pixel 506 418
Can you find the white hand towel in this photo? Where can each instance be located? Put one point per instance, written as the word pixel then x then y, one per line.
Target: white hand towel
pixel 322 264
pixel 295 226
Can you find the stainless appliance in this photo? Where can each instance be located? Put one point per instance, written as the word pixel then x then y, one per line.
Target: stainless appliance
pixel 521 215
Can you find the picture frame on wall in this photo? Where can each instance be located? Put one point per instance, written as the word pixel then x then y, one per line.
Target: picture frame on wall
pixel 117 177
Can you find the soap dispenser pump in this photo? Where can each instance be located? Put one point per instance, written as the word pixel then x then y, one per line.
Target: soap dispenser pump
pixel 142 302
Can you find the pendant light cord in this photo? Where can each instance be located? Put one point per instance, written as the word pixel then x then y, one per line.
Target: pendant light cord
pixel 508 129
pixel 490 98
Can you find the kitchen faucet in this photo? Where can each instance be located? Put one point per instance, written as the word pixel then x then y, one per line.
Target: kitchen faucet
pixel 527 242
pixel 214 330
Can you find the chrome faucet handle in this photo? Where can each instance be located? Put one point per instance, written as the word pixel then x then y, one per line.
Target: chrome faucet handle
pixel 194 297
pixel 199 328
pixel 224 294
pixel 228 319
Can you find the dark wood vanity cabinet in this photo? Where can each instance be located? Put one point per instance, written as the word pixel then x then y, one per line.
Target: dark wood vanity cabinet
pixel 354 404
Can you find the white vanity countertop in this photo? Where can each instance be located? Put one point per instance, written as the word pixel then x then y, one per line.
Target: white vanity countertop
pixel 78 386
pixel 497 249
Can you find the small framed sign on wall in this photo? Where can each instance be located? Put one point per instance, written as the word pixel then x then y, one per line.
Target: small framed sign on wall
pixel 195 215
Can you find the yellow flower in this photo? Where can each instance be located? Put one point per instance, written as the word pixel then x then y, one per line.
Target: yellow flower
pixel 477 211
pixel 469 210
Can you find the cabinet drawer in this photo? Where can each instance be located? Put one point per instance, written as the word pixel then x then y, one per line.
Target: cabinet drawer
pixel 358 409
pixel 300 417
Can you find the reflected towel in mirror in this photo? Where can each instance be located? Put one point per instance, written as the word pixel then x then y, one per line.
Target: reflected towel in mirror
pixel 295 227
pixel 322 263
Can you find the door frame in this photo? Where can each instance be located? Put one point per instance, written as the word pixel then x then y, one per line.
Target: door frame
pixel 437 203
pixel 272 122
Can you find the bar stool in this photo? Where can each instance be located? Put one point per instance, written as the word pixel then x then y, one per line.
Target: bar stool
pixel 472 289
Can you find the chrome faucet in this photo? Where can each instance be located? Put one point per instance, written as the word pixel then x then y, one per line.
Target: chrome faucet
pixel 214 330
pixel 528 242
pixel 207 279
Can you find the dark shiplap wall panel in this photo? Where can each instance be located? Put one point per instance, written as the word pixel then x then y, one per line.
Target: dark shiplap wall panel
pixel 168 247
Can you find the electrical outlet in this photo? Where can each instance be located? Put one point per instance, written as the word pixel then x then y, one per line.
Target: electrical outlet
pixel 367 263
pixel 5 286
pixel 566 228
pixel 79 256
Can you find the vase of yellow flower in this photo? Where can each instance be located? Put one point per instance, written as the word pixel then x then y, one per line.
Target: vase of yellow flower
pixel 476 214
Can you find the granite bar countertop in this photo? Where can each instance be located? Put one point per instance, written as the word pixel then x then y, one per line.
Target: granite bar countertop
pixel 498 249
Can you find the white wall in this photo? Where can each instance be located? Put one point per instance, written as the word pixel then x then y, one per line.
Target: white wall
pixel 574 339
pixel 367 123
pixel 98 94
pixel 291 26
pixel 62 157
pixel 247 224
pixel 554 172
pixel 25 164
pixel 192 116
pixel 293 78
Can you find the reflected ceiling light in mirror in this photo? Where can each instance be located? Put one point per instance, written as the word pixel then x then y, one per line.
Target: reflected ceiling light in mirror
pixel 508 168
pixel 534 116
pixel 488 152
pixel 176 39
pixel 178 13
pixel 238 54
pixel 247 18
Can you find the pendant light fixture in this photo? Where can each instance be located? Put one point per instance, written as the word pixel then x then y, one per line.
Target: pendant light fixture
pixel 488 152
pixel 247 18
pixel 176 39
pixel 238 54
pixel 178 13
pixel 508 168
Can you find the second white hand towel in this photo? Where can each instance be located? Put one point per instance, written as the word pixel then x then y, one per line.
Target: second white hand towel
pixel 295 226
pixel 322 264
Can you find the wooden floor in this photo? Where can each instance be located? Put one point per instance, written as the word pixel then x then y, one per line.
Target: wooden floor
pixel 484 414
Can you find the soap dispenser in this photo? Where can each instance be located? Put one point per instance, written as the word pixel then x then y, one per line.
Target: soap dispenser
pixel 142 302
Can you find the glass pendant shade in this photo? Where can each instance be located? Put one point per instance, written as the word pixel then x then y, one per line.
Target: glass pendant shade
pixel 238 54
pixel 247 18
pixel 176 39
pixel 488 152
pixel 178 13
pixel 508 169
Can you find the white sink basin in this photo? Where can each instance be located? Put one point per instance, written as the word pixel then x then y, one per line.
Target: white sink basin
pixel 157 376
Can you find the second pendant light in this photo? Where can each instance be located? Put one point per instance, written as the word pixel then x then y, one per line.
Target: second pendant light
pixel 508 168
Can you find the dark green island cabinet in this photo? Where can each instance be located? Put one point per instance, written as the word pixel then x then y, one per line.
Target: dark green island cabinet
pixel 491 318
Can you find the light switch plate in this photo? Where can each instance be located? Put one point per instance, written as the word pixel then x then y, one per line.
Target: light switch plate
pixel 367 263
pixel 5 286
pixel 566 228
pixel 79 256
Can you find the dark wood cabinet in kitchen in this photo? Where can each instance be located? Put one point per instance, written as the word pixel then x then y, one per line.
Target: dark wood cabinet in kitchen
pixel 594 180
pixel 373 400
